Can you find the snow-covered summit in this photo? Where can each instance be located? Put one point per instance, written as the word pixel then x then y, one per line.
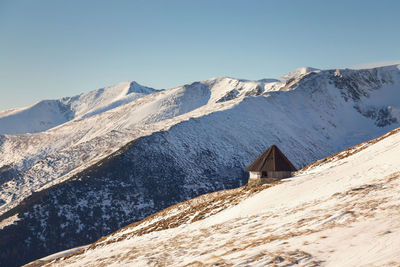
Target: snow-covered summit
pixel 297 73
pixel 47 114
pixel 100 100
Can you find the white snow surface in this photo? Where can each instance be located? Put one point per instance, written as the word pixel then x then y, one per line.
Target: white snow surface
pixel 47 114
pixel 308 118
pixel 340 212
pixel 297 73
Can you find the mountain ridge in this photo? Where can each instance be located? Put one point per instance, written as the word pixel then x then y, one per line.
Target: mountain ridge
pixel 132 155
pixel 47 114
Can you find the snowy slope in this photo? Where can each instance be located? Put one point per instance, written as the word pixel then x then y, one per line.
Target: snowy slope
pixel 135 150
pixel 297 73
pixel 47 114
pixel 342 211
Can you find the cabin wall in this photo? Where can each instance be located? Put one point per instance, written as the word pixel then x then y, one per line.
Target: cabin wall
pixel 258 178
pixel 255 175
pixel 254 178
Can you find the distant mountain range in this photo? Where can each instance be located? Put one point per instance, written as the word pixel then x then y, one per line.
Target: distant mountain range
pixel 75 169
pixel 48 114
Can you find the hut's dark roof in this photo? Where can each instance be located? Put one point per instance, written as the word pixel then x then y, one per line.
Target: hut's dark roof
pixel 271 160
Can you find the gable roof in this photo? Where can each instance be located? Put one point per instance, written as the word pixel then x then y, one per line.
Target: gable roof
pixel 271 160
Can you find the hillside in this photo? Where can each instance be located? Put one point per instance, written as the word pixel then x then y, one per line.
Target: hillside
pixel 85 178
pixel 48 114
pixel 340 211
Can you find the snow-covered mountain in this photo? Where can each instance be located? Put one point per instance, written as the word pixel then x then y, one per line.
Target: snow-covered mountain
pixel 47 114
pixel 107 167
pixel 297 73
pixel 340 211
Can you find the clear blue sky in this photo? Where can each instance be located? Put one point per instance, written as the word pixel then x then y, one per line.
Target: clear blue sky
pixel 54 48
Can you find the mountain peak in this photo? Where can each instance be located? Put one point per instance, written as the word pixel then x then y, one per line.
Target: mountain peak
pixel 297 72
pixel 135 87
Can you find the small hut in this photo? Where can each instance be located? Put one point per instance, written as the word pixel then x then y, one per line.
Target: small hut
pixel 271 166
